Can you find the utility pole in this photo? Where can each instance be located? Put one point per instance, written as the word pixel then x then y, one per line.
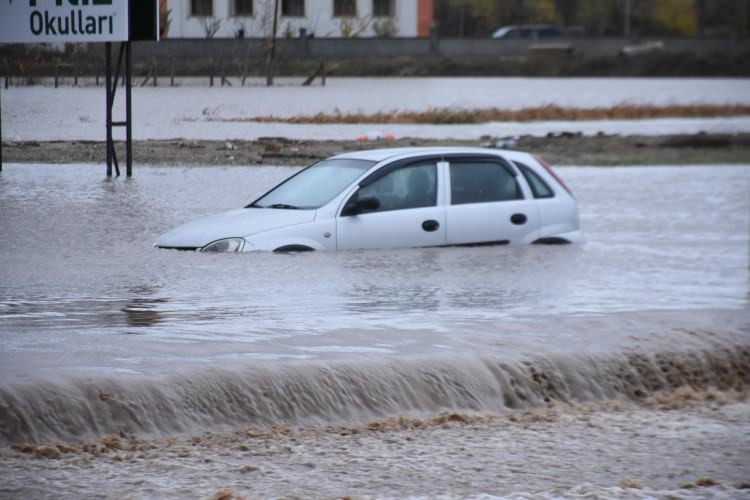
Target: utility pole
pixel 462 21
pixel 626 27
pixel 272 45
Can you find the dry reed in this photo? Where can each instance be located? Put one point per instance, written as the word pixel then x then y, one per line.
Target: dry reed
pixel 550 112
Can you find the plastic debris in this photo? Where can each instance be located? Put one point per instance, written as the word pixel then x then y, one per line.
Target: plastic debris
pixel 375 136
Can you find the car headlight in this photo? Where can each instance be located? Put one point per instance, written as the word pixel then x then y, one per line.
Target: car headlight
pixel 227 245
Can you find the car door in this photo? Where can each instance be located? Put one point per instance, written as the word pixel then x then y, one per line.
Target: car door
pixel 488 204
pixel 410 212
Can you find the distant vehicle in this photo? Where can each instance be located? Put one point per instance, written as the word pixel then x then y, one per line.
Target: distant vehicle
pixel 528 31
pixel 402 197
pixel 639 49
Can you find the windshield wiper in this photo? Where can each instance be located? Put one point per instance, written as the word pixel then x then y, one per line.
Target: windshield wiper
pixel 282 205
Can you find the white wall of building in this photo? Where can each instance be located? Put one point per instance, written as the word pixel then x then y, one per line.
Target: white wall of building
pixel 319 20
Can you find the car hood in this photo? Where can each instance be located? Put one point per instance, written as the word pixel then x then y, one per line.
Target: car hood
pixel 235 223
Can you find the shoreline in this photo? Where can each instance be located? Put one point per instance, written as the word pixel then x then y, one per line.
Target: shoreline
pixel 558 149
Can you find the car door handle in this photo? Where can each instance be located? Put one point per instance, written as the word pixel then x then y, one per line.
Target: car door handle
pixel 518 219
pixel 430 225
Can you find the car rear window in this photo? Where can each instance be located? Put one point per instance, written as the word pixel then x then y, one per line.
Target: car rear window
pixel 539 188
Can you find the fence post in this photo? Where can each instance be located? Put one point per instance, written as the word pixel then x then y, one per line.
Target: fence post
pixel 171 71
pixel 245 64
pixel 434 43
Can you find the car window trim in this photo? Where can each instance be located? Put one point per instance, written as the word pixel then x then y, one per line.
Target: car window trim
pixel 445 157
pixel 437 158
pixel 479 158
pixel 392 167
pixel 387 169
pixel 509 167
pixel 523 168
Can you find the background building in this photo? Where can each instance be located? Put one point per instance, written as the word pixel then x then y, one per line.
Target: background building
pixel 319 18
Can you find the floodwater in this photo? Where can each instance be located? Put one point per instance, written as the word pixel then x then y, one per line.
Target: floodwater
pixel 220 113
pixel 100 334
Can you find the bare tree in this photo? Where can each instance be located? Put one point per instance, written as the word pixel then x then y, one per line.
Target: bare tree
pixel 211 26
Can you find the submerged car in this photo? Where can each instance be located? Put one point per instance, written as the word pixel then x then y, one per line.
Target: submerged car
pixel 402 197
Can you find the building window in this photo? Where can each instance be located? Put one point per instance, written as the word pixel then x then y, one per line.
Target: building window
pixel 203 8
pixel 293 8
pixel 384 8
pixel 242 8
pixel 343 8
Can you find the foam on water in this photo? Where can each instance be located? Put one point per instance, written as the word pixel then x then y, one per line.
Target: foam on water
pixel 339 392
pixel 602 450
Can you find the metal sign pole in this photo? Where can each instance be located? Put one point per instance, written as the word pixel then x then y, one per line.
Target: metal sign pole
pixel 128 111
pixel 108 84
pixel 111 82
pixel 118 21
pixel 1 130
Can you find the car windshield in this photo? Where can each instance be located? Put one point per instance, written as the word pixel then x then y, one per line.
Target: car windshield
pixel 314 186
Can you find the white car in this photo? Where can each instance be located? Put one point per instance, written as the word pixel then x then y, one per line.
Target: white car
pixel 532 31
pixel 401 197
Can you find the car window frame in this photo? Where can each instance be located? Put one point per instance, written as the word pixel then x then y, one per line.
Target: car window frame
pixel 507 165
pixel 522 167
pixel 380 173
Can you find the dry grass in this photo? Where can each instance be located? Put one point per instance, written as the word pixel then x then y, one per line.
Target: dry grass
pixel 549 112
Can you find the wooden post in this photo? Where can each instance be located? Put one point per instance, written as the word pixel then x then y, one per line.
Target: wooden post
pixel 245 64
pixel 171 71
pixel 271 55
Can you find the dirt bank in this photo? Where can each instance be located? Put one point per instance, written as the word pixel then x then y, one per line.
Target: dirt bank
pixel 564 149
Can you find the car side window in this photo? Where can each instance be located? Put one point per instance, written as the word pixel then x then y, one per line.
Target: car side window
pixel 482 182
pixel 539 188
pixel 412 186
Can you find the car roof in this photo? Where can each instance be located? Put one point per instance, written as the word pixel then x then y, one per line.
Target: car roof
pixel 379 155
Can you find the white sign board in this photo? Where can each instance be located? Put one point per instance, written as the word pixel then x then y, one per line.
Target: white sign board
pixel 31 21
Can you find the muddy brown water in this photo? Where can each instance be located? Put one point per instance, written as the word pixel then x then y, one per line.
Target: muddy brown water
pixel 100 333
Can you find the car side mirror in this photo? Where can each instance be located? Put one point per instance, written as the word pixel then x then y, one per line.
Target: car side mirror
pixel 360 205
